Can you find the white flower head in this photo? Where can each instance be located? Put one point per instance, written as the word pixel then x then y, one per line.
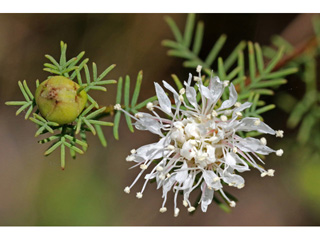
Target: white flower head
pixel 199 147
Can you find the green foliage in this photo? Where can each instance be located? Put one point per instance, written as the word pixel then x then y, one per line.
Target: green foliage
pixel 130 107
pixel 261 79
pixel 65 136
pixel 29 100
pixel 304 111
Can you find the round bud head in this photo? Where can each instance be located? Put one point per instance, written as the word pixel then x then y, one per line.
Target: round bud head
pixel 58 100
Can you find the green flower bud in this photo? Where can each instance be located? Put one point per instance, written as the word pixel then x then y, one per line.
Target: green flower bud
pixel 58 100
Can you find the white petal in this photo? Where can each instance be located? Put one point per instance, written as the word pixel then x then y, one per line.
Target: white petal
pixel 167 185
pixel 187 150
pixel 241 108
pixel 171 89
pixel 205 91
pixel 183 173
pixel 230 160
pixel 147 123
pixel 163 99
pixel 233 179
pixel 209 177
pixel 233 96
pixel 207 196
pixel 191 95
pixel 248 124
pixel 253 145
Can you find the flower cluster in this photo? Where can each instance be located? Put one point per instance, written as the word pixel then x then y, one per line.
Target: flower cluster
pixel 199 145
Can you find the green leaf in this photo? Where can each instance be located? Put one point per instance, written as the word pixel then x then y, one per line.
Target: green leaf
pixel 265 109
pixel 51 138
pixel 307 125
pixel 119 91
pixel 279 42
pixel 105 72
pixel 252 64
pixel 94 71
pixel 116 125
pixel 15 103
pixel 198 38
pixel 259 57
pixel 23 108
pixel 281 73
pixel 222 206
pixel 145 102
pixel 101 135
pixel 127 92
pixel 52 60
pixel 105 82
pixel 189 30
pixel 269 83
pixel 221 70
pixel 96 113
pixel 81 65
pixel 174 28
pixel 180 54
pixel 137 89
pixel 129 123
pixel 86 70
pixel 234 55
pixel 63 53
pixel 274 61
pixel 52 148
pixel 89 125
pixel 63 157
pixel 172 44
pixel 234 73
pixel 23 91
pixel 177 81
pixel 215 50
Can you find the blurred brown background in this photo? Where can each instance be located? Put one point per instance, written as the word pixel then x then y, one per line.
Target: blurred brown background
pixel 33 189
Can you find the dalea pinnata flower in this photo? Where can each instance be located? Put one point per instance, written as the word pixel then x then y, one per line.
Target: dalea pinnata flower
pixel 58 100
pixel 199 146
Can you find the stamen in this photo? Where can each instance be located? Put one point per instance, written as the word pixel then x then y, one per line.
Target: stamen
pixel 143 166
pixel 196 79
pixel 270 173
pixel 237 104
pixel 117 106
pixel 232 204
pixel 182 91
pixel 130 158
pixel 224 118
pixel 279 133
pixel 159 168
pixel 191 209
pixel 214 113
pixel 239 114
pixel 263 174
pixel 139 195
pixel 263 141
pixel 163 209
pixel 279 152
pixel 127 190
pixel 257 122
pixel 185 203
pixel 176 212
pixel 235 149
pixel 150 106
pixel 199 68
pixel 170 147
